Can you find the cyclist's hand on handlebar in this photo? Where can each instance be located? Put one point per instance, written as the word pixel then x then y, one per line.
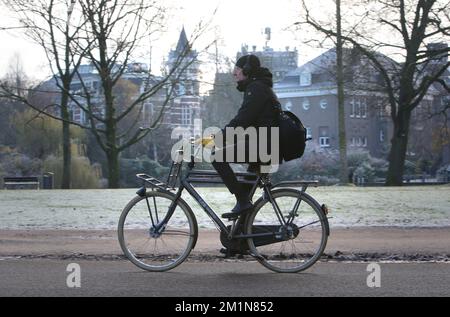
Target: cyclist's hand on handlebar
pixel 206 142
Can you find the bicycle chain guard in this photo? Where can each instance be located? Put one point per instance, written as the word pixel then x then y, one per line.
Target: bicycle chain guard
pixel 240 246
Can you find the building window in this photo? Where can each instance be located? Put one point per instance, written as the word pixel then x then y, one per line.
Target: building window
pixel 189 90
pixel 323 104
pixel 308 133
pixel 358 141
pixel 79 116
pixel 76 88
pixel 305 79
pixel 362 141
pixel 364 108
pixel 352 108
pixel 181 90
pixel 186 115
pixel 358 108
pixel 306 105
pixel 324 141
pixel 381 135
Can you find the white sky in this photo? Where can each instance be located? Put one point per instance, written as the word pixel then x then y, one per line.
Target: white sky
pixel 239 21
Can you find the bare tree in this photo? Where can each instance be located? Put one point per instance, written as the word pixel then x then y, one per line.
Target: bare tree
pixel 14 77
pixel 405 28
pixel 112 35
pixel 341 97
pixel 48 23
pixel 115 29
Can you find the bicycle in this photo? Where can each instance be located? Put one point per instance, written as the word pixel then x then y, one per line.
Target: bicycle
pixel 286 231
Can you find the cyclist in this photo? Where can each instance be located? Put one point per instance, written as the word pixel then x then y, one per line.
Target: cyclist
pixel 257 110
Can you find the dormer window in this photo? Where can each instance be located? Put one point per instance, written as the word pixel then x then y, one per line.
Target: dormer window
pixel 305 79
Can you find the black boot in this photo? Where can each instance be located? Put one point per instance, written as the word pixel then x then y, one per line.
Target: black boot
pixel 243 205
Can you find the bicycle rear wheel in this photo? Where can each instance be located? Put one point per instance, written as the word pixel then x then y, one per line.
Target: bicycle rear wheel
pixel 293 247
pixel 154 250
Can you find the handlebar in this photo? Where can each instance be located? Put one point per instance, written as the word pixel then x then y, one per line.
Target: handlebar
pixel 192 142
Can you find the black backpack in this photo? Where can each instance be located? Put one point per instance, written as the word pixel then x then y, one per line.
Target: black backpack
pixel 292 135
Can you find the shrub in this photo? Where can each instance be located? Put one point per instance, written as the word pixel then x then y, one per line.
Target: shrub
pixel 362 164
pixel 316 163
pixel 130 167
pixel 83 174
pixel 17 164
pixel 442 174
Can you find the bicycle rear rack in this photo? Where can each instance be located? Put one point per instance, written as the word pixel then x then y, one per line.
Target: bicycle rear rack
pixel 303 184
pixel 210 176
pixel 154 183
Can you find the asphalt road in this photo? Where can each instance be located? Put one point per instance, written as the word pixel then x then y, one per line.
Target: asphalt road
pixel 43 277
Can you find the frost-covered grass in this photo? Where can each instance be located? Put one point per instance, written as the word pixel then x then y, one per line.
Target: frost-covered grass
pixel 427 206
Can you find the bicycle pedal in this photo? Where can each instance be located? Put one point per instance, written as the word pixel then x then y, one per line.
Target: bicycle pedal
pixel 230 216
pixel 228 253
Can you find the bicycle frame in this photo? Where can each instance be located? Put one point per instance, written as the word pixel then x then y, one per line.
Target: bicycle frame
pixel 186 184
pixel 207 177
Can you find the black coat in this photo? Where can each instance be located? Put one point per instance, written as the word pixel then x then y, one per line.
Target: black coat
pixel 258 106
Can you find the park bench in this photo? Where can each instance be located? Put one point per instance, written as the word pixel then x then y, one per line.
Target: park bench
pixel 21 182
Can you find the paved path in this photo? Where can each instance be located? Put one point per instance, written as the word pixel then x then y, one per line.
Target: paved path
pixel 347 241
pixel 43 277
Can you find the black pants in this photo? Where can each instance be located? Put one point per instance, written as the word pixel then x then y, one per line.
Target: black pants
pixel 229 178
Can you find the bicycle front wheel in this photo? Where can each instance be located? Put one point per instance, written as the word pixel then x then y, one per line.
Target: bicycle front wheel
pixel 146 246
pixel 295 239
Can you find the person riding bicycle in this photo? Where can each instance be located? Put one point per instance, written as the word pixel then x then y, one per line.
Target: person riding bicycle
pixel 257 110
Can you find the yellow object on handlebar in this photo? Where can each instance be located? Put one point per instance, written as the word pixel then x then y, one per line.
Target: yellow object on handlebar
pixel 206 142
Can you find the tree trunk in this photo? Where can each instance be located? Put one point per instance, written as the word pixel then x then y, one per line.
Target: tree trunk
pixel 67 155
pixel 343 175
pixel 399 145
pixel 112 151
pixel 113 168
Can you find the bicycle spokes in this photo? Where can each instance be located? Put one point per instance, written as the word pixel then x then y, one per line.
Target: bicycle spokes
pixel 155 233
pixel 295 245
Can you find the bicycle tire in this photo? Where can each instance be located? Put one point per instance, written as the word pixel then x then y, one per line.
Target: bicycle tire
pixel 126 236
pixel 270 259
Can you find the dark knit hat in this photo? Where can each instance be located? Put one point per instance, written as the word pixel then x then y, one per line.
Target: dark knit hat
pixel 249 64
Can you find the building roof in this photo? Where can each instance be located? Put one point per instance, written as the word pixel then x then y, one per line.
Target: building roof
pixel 322 69
pixel 182 41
